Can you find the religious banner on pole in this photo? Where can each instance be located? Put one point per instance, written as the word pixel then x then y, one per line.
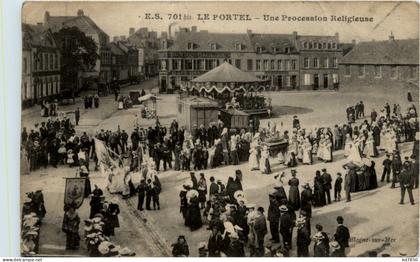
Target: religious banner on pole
pixel 74 191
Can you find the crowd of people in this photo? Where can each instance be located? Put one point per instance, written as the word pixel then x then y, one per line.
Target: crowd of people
pixel 238 227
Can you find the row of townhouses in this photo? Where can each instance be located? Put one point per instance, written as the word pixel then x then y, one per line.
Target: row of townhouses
pixel 123 60
pixel 289 61
pixel 281 61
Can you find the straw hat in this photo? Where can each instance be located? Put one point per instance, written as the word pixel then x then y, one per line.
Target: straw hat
pixel 283 208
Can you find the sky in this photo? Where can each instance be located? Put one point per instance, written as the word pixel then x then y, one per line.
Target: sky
pixel 115 18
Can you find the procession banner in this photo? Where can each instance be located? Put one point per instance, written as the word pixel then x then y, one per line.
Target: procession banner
pixel 74 191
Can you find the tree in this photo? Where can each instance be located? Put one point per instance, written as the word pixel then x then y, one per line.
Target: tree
pixel 78 54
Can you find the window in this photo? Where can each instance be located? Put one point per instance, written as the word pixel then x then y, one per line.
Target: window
pixel 274 50
pixel 259 49
pixel 378 71
pixel 272 64
pixel 394 71
pixel 188 64
pixel 56 61
pixel 258 62
pixel 316 62
pixel 25 66
pixel 213 46
pixel 287 64
pixel 324 45
pixel 250 65
pixel 329 45
pixel 293 65
pixel 287 80
pixel 238 63
pixel 335 62
pixel 190 46
pixel 46 62
pixel 316 45
pixel 265 64
pixel 326 62
pixel 334 45
pixel 238 47
pixel 306 62
pixel 51 62
pixel 280 65
pixel 412 72
pixel 307 79
pixel 287 50
pixel 310 45
pixel 305 45
pixel 361 70
pixel 347 71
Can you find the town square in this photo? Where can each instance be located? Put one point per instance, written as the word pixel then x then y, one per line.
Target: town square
pixel 206 143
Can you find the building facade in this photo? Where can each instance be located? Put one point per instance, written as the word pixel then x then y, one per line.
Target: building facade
pixel 40 65
pixel 279 59
pixel 149 44
pixel 379 64
pixel 102 69
pixel 124 61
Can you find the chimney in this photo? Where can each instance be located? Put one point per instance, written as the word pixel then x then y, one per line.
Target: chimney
pixel 116 38
pixel 46 17
pixel 131 31
pixel 294 35
pixel 391 37
pixel 194 28
pixel 353 42
pixel 123 38
pixel 80 12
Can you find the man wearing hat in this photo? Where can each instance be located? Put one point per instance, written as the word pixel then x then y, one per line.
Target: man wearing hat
pixel 387 168
pixel 342 236
pixel 406 183
pixel 286 226
pixel 396 167
pixel 326 183
pixel 303 238
pixel 274 218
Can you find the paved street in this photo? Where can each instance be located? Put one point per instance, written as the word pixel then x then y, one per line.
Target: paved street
pixel 151 233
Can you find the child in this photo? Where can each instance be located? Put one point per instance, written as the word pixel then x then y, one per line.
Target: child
pixel 337 187
pixel 155 195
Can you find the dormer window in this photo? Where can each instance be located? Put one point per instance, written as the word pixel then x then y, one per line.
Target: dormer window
pixel 305 45
pixel 287 49
pixel 259 49
pixel 213 46
pixel 275 50
pixel 310 45
pixel 324 45
pixel 190 45
pixel 334 45
pixel 329 45
pixel 238 46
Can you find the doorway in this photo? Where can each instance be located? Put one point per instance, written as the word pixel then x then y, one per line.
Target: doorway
pixel 325 80
pixel 316 81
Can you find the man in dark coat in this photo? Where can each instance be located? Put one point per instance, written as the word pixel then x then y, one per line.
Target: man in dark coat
pixel 286 226
pixel 141 189
pixel 337 187
pixel 303 238
pixel 342 236
pixel 77 116
pixel 326 182
pixel 406 183
pixel 214 188
pixel 387 163
pixel 396 167
pixel 273 217
pixel 294 197
pixel 306 200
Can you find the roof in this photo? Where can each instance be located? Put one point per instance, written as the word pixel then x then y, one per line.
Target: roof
pixel 36 35
pixel 270 41
pixel 225 73
pixel 196 102
pixel 84 23
pixel 115 49
pixel 388 52
pixel 202 41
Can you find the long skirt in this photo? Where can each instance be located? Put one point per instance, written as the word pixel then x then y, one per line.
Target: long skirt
pixel 72 240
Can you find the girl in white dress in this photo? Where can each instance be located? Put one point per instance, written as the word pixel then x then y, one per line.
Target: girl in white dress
pixel 347 146
pixel 307 152
pixel 253 157
pixel 370 148
pixel 327 155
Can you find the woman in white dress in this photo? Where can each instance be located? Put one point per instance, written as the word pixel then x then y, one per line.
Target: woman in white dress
pixel 347 146
pixel 321 148
pixel 370 148
pixel 307 152
pixel 327 155
pixel 253 157
pixel 354 152
pixel 300 141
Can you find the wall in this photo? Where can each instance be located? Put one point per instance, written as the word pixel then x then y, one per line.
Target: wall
pixel 369 78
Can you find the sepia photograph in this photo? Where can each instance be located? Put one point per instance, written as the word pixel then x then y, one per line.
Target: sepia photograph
pixel 219 129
